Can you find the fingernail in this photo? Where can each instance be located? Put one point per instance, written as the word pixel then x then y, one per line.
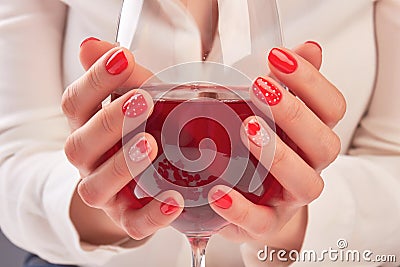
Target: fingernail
pixel 266 91
pixel 117 63
pixel 282 60
pixel 89 39
pixel 314 43
pixel 140 150
pixel 256 133
pixel 221 199
pixel 134 106
pixel 169 206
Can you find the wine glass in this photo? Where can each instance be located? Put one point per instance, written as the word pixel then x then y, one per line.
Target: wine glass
pixel 204 63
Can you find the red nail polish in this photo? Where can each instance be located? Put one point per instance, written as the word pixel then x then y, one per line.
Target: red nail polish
pixel 266 91
pixel 140 150
pixel 221 199
pixel 257 134
pixel 314 43
pixel 282 60
pixel 117 63
pixel 89 39
pixel 142 145
pixel 253 127
pixel 134 106
pixel 169 206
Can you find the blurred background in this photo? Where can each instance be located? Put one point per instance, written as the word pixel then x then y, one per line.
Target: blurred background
pixel 10 256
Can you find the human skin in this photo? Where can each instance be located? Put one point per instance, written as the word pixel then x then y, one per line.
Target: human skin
pixel 101 195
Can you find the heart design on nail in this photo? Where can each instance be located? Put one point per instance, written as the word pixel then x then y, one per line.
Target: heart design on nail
pixel 140 150
pixel 256 133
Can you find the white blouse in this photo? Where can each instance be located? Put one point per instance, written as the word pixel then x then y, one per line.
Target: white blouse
pixel 39 43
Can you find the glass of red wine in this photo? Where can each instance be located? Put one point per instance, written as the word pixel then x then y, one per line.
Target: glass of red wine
pixel 204 63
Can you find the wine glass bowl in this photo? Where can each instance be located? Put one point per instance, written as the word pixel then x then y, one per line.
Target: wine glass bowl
pixel 197 129
pixel 200 103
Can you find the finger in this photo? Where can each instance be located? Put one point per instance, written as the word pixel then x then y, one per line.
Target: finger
pixel 321 96
pixel 92 49
pixel 82 98
pixel 291 221
pixel 318 142
pixel 106 181
pixel 236 209
pixel 310 51
pixel 104 129
pixel 141 223
pixel 235 234
pixel 154 216
pixel 301 181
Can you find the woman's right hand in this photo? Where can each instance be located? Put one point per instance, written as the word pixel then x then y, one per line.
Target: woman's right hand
pixel 102 195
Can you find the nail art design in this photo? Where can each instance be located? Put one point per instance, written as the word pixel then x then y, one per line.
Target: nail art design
pixel 117 63
pixel 282 60
pixel 256 133
pixel 134 106
pixel 140 150
pixel 267 91
pixel 169 206
pixel 221 199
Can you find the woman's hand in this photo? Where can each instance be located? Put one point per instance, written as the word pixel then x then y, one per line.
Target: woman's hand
pixel 307 116
pixel 103 196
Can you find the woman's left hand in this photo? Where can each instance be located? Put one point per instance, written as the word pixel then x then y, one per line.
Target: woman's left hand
pixel 307 116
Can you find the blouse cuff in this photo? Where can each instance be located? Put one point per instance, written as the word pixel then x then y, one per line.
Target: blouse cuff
pixel 56 200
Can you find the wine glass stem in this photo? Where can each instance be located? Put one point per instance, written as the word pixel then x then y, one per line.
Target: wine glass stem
pixel 199 244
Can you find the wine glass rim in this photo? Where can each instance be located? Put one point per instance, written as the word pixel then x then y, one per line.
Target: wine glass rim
pixel 197 91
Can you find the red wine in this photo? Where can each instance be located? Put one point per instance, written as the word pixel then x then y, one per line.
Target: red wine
pixel 188 125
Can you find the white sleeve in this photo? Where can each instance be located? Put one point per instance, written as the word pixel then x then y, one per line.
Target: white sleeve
pixel 36 180
pixel 361 201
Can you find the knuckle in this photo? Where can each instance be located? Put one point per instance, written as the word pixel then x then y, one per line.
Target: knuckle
pixel 119 168
pixel 338 111
pixel 132 228
pixel 342 106
pixel 315 189
pixel 94 79
pixel 330 149
pixel 295 112
pixel 68 100
pixel 73 149
pixel 334 148
pixel 151 222
pixel 107 121
pixel 281 153
pixel 88 194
